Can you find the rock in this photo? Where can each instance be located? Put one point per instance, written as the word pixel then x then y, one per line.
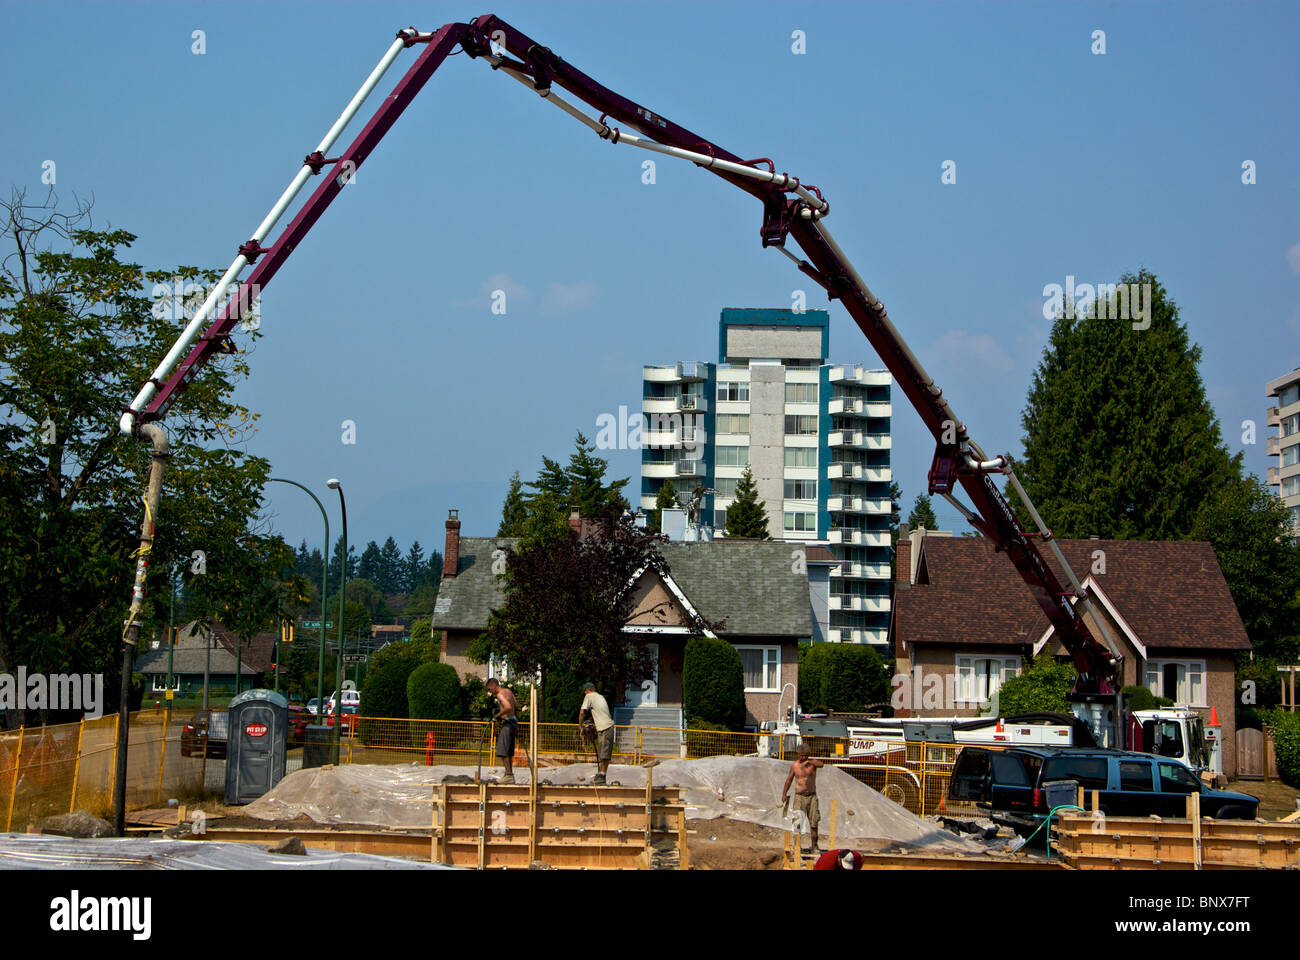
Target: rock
pixel 539 865
pixel 290 846
pixel 79 823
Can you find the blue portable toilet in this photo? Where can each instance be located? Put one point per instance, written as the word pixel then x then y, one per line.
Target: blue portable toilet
pixel 256 743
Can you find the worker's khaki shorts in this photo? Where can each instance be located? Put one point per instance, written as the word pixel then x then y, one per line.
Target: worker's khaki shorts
pixel 806 803
pixel 605 744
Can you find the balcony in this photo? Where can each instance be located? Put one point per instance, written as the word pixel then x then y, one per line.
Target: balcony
pixel 1273 480
pixel 690 468
pixel 692 404
pixel 860 571
pixel 859 538
pixel 846 406
pixel 859 604
pixel 1272 419
pixel 659 471
pixel 879 410
pixel 687 371
pixel 877 474
pixel 877 441
pixel 855 374
pixel 845 438
pixel 1272 446
pixel 674 404
pixel 857 635
pixel 845 470
pixel 846 505
pixel 689 437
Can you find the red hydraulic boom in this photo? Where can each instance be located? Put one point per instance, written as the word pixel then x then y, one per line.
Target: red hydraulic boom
pixel 791 211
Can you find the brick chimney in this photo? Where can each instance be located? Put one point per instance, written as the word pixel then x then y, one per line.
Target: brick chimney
pixel 451 555
pixel 575 523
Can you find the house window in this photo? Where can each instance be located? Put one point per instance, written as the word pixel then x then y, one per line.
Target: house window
pixel 801 393
pixel 978 678
pixel 762 666
pixel 160 683
pixel 1182 681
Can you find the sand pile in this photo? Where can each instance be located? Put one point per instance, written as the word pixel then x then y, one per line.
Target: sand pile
pixel 741 788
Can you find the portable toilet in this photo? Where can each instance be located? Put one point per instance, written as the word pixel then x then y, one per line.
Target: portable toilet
pixel 256 743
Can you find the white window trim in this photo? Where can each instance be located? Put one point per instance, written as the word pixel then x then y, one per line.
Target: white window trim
pixel 1008 664
pixel 765 649
pixel 1159 665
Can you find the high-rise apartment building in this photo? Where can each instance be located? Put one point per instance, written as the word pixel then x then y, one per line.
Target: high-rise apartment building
pixel 815 434
pixel 1286 445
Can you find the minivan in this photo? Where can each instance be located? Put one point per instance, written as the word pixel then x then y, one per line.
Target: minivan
pixel 1010 784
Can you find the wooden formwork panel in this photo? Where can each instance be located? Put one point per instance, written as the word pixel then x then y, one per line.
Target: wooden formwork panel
pixel 1132 842
pixel 511 825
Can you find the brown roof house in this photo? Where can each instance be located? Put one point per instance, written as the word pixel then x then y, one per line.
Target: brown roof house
pixel 962 613
pixel 754 586
pixel 219 653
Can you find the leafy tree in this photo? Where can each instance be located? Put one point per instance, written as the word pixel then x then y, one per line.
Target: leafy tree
pixel 561 696
pixel 78 336
pixel 1286 742
pixel 566 602
pixel 713 684
pixel 422 630
pixel 1140 698
pixel 747 517
pixel 433 692
pixel 922 514
pixel 1041 688
pixel 383 692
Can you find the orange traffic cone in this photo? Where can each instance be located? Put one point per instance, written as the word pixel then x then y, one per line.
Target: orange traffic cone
pixel 1214 716
pixel 999 730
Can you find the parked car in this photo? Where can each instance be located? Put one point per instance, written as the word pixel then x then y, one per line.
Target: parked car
pixel 299 718
pixel 350 698
pixel 313 706
pixel 196 731
pixel 1010 784
pixel 349 719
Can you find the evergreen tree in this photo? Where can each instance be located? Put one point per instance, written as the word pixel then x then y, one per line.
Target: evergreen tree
pixel 895 510
pixel 413 567
pixel 336 564
pixel 747 517
pixel 368 568
pixel 665 499
pixel 514 512
pixel 1120 440
pixel 588 492
pixel 389 579
pixel 922 514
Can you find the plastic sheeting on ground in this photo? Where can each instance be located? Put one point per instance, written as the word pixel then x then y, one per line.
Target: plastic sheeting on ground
pixel 19 851
pixel 742 788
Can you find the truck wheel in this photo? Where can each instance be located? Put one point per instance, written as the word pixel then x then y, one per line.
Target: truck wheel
pixel 903 792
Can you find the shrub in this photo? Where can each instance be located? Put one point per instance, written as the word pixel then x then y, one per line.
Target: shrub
pixel 1041 688
pixel 433 692
pixel 478 702
pixel 1262 673
pixel 1286 745
pixel 713 683
pixel 1140 698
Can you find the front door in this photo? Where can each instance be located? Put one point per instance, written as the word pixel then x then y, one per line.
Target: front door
pixel 646 694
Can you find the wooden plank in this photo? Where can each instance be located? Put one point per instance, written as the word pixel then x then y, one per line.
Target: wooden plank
pixel 482 824
pixel 683 851
pixel 834 811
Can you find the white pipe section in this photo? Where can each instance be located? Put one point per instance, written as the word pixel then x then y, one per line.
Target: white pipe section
pixel 783 180
pixel 202 315
pixel 997 463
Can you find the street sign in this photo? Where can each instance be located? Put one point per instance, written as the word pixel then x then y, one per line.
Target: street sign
pixel 315 624
pixel 354 658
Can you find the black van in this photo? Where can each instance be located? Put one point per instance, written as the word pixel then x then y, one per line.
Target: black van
pixel 1010 784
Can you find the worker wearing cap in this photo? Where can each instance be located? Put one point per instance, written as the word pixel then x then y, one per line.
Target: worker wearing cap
pixel 596 707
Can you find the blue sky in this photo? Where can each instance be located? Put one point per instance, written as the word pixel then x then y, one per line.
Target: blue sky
pixel 1068 164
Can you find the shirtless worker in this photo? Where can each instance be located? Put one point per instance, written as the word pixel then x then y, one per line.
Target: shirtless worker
pixel 507 707
pixel 804 774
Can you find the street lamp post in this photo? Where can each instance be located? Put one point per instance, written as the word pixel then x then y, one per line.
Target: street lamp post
pixel 343 586
pixel 324 574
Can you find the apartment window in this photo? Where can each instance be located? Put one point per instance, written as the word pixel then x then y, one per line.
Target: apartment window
pixel 762 666
pixel 1290 424
pixel 978 678
pixel 801 456
pixel 801 393
pixel 732 423
pixel 1291 455
pixel 731 456
pixel 1291 486
pixel 726 487
pixel 720 519
pixel 800 521
pixel 800 426
pixel 1289 395
pixel 801 489
pixel 1182 681
pixel 735 390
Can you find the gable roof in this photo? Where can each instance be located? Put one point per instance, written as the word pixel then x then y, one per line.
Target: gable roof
pixel 1171 595
pixel 190 653
pixel 751 584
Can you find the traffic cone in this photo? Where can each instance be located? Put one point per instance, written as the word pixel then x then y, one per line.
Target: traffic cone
pixel 999 730
pixel 1214 716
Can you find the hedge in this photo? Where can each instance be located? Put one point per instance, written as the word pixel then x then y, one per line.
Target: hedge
pixel 1140 698
pixel 561 696
pixel 1286 745
pixel 383 692
pixel 713 683
pixel 846 677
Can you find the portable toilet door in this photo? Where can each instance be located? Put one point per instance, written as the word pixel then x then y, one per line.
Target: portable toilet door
pixel 255 746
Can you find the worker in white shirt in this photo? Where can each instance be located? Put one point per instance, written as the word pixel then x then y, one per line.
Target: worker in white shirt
pixel 595 708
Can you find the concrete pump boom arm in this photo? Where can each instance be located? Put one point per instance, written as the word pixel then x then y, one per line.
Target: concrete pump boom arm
pixel 791 210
